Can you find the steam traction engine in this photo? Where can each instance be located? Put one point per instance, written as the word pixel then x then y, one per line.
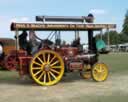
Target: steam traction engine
pixel 50 60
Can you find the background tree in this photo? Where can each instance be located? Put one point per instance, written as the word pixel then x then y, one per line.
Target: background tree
pixel 125 25
pixel 114 37
pixel 123 38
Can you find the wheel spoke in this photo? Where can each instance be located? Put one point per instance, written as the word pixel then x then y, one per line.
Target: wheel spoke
pixel 54 63
pixel 44 57
pixel 48 58
pixel 52 59
pixel 96 70
pixel 56 67
pixel 52 75
pixel 100 67
pixel 37 73
pixel 35 68
pixel 36 63
pixel 55 71
pixel 41 75
pixel 49 77
pixel 103 70
pixel 45 77
pixel 40 60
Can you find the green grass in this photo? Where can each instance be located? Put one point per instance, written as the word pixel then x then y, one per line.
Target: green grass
pixel 8 75
pixel 117 63
pixel 113 98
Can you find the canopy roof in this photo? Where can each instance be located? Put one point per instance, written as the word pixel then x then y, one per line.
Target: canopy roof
pixel 82 19
pixel 61 27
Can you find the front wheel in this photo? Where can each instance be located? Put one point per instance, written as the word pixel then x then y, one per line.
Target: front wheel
pixel 100 72
pixel 47 67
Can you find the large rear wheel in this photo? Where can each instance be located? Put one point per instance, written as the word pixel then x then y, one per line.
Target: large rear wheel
pixel 100 72
pixel 47 67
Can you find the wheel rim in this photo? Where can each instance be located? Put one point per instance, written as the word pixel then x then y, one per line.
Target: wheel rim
pixel 47 67
pixel 100 72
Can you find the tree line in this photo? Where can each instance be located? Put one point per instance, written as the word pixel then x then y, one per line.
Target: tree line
pixel 115 37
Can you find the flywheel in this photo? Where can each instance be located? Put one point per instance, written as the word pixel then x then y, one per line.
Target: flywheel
pixel 86 72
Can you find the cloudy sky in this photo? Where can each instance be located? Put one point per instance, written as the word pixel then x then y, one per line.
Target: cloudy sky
pixel 105 11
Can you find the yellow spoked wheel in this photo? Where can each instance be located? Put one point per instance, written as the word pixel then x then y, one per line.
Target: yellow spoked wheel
pixel 86 72
pixel 47 67
pixel 100 72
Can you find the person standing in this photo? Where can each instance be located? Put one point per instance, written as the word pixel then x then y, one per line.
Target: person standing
pixel 33 42
pixel 23 40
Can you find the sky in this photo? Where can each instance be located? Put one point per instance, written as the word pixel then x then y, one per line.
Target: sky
pixel 105 11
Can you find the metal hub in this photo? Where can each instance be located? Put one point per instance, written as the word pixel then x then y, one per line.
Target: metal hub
pixel 47 67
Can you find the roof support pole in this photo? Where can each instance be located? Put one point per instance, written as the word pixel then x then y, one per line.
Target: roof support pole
pixel 108 38
pixel 76 35
pixel 17 40
pixel 90 40
pixel 101 34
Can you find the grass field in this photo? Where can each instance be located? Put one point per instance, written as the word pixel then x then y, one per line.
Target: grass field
pixel 72 88
pixel 117 63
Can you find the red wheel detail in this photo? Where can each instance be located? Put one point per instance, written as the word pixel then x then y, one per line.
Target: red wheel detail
pixel 11 62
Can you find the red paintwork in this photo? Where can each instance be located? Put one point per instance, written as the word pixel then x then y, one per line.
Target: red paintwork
pixel 11 60
pixel 19 60
pixel 24 62
pixel 69 51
